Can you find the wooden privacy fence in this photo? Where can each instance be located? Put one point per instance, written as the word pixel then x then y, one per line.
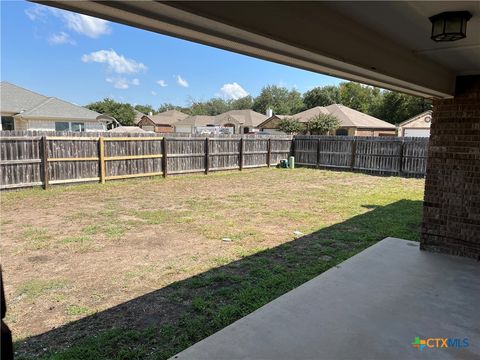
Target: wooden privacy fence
pixel 44 160
pixel 381 155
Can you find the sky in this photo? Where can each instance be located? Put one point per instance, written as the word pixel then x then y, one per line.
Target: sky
pixel 83 59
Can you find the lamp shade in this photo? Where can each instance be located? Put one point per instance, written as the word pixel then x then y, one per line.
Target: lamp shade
pixel 449 26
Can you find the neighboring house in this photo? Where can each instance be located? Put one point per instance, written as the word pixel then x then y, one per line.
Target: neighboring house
pixel 22 109
pixel 417 126
pixel 239 121
pixel 162 122
pixel 352 122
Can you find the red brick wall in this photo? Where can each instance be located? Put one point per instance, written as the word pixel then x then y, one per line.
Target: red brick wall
pixel 451 213
pixel 163 129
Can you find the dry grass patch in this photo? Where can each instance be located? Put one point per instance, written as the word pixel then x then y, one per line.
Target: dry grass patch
pixel 146 257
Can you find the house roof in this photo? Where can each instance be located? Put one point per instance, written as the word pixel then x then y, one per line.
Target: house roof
pixel 28 104
pixel 348 117
pixel 15 99
pixel 169 117
pixel 240 117
pixel 352 118
pixel 127 129
pixel 197 120
pixel 245 117
pixel 306 115
pixel 56 108
pixel 415 118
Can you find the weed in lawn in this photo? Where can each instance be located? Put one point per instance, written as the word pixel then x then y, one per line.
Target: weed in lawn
pixel 81 239
pixel 35 288
pixel 74 310
pixel 37 238
pixel 154 217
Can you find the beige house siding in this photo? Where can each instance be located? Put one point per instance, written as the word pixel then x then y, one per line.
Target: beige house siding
pixel 421 121
pixel 49 125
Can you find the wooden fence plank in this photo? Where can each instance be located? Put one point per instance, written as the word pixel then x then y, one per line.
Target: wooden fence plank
pixel 164 157
pixel 45 162
pixel 101 151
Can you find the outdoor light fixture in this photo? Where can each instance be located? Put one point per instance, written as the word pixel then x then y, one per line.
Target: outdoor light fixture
pixel 450 25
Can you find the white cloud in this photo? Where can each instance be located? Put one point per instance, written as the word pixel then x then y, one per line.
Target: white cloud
pixel 82 24
pixel 115 62
pixel 233 91
pixel 154 93
pixel 86 25
pixel 182 82
pixel 121 82
pixel 35 12
pixel 162 83
pixel 61 38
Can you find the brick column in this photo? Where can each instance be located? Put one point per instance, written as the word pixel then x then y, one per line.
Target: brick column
pixel 451 212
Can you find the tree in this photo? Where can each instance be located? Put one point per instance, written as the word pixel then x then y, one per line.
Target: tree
pixel 323 124
pixel 279 99
pixel 321 96
pixel 291 126
pixel 242 103
pixel 167 106
pixel 396 107
pixel 213 106
pixel 145 109
pixel 359 97
pixel 122 112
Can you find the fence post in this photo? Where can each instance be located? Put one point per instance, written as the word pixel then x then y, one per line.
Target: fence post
pixel 354 150
pixel 240 155
pixel 101 151
pixel 45 162
pixel 164 157
pixel 269 151
pixel 400 165
pixel 318 153
pixel 207 155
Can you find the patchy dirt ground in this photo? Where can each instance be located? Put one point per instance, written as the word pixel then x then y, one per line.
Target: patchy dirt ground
pixel 71 252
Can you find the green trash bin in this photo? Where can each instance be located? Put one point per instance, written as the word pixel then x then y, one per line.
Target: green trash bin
pixel 291 162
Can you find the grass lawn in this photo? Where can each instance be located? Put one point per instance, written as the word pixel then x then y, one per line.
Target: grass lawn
pixel 138 269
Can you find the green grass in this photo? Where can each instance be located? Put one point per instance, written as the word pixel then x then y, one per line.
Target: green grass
pixel 37 238
pixel 34 288
pixel 75 310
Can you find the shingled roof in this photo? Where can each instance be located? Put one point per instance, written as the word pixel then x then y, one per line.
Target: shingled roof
pixel 28 104
pixel 246 117
pixel 15 99
pixel 352 118
pixel 169 117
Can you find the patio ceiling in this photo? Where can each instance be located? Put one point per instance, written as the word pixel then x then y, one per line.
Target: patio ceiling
pixel 386 44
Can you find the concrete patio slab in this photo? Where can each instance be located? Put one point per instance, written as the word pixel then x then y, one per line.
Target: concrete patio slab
pixel 371 306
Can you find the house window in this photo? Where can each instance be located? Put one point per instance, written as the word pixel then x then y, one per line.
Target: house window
pixel 341 132
pixel 74 126
pixel 69 126
pixel 8 123
pixel 62 126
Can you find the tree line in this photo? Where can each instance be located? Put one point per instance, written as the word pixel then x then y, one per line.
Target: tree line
pixel 389 106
